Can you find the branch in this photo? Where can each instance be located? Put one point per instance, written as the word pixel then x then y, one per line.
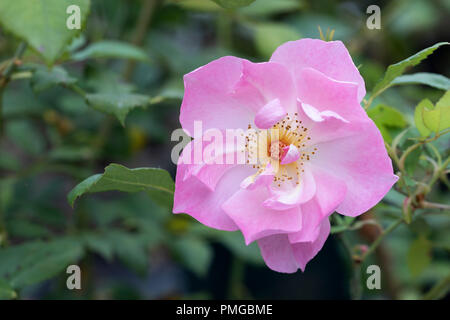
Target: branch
pixel 439 289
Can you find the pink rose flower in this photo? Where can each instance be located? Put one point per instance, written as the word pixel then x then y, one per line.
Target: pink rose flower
pixel 329 155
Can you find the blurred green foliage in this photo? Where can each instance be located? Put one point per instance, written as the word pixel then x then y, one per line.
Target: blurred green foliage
pixel 73 102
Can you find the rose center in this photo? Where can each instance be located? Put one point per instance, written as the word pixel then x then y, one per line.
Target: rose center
pixel 286 132
pixel 276 150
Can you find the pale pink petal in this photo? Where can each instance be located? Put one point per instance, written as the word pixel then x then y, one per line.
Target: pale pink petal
pixel 291 195
pixel 361 161
pixel 282 256
pixel 265 178
pixel 290 154
pixel 305 251
pixel 195 198
pixel 209 168
pixel 325 94
pixel 331 58
pixel 270 114
pixel 256 221
pixel 324 125
pixel 330 192
pixel 228 92
pixel 278 254
pixel 272 80
pixel 208 97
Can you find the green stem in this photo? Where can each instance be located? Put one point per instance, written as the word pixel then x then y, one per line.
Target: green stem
pixel 432 205
pixel 415 146
pixel 76 89
pixel 374 95
pixel 12 65
pixel 439 289
pixel 438 173
pixel 224 29
pixel 401 162
pixel 377 242
pixel 145 17
pixel 236 288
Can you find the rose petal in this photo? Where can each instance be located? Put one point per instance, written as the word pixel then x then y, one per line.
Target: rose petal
pixel 255 221
pixel 329 57
pixel 362 162
pixel 305 251
pixel 278 254
pixel 290 154
pixel 270 114
pixel 228 92
pixel 265 178
pixel 330 192
pixel 326 94
pixel 193 197
pixel 292 195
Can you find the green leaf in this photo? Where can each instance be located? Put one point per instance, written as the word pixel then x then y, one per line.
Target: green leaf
pixel 42 24
pixel 429 118
pixel 99 244
pixel 111 49
pixel 35 262
pixel 386 117
pixel 418 117
pixel 45 78
pixel 419 255
pixel 232 4
pixel 117 104
pixel 395 70
pixel 411 162
pixel 430 79
pixel 6 291
pixel 131 250
pixel 269 36
pixel 438 118
pixel 26 229
pixel 156 182
pixel 194 253
pixel 20 131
